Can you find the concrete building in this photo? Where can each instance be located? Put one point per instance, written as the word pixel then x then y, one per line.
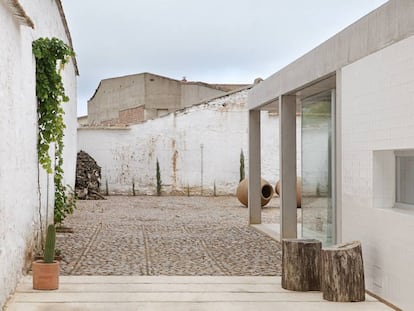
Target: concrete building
pixel 25 196
pixel 136 98
pixel 357 91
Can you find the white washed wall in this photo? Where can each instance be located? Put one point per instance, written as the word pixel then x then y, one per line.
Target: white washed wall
pixel 18 161
pixel 378 115
pixel 52 26
pixel 220 127
pixel 19 196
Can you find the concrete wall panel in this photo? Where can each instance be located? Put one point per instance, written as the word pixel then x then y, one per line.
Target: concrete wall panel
pixel 390 23
pixel 116 94
pixel 193 93
pixel 161 92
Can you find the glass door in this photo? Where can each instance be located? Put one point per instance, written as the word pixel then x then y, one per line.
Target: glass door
pixel 317 129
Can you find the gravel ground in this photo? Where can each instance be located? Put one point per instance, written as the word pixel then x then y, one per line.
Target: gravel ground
pixel 167 236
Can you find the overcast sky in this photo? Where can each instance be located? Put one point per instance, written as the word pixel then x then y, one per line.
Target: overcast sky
pixel 216 41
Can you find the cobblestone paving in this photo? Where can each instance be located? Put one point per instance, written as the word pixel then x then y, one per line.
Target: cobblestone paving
pixel 167 236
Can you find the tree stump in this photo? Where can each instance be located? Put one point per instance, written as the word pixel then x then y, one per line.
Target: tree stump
pixel 343 273
pixel 301 264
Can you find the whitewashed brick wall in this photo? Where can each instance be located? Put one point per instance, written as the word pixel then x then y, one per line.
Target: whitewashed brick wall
pixel 19 195
pixel 378 115
pixel 128 155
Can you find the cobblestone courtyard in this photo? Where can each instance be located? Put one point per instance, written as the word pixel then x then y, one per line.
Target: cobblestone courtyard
pixel 167 236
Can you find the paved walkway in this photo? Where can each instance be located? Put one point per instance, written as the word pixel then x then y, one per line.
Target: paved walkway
pixel 167 236
pixel 221 293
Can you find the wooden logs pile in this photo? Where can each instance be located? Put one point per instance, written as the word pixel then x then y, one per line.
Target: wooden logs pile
pixel 88 177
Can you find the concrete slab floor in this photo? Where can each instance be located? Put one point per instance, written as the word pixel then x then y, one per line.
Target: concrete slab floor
pixel 175 293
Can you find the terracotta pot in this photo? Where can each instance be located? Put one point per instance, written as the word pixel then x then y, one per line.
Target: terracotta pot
pixel 266 192
pixel 298 190
pixel 40 257
pixel 45 275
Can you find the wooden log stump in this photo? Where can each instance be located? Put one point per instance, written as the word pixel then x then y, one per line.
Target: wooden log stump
pixel 343 273
pixel 301 264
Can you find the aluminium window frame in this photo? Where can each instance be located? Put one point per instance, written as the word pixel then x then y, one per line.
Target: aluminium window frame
pixel 398 154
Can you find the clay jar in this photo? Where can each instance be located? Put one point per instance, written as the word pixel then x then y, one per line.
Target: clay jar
pixel 266 192
pixel 298 190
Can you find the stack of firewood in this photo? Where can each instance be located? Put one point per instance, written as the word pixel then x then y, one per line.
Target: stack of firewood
pixel 88 177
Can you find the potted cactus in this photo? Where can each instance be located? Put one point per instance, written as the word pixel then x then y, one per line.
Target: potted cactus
pixel 46 271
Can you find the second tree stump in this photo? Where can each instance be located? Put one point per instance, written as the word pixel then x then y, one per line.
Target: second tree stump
pixel 301 264
pixel 343 273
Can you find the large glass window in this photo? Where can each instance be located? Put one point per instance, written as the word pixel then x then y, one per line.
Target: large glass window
pixel 404 163
pixel 317 167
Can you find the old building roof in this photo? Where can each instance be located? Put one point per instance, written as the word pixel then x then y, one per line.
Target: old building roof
pixel 221 87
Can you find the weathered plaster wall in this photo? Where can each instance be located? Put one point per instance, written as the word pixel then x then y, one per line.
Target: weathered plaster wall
pixel 18 162
pixel 54 27
pixel 206 137
pixel 377 115
pixel 19 199
pixel 70 119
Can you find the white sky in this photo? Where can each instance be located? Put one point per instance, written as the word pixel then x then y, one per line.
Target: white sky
pixel 216 41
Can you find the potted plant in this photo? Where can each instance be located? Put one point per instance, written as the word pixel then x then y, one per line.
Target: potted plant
pixel 46 271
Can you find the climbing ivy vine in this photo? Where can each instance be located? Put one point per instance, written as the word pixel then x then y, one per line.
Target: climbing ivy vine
pixel 51 55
